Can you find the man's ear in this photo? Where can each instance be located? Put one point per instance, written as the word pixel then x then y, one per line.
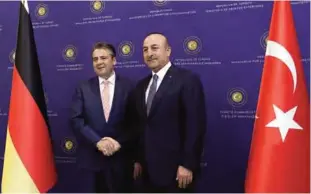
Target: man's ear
pixel 169 50
pixel 114 60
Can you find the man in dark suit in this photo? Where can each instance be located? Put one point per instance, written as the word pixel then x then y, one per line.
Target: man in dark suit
pixel 99 120
pixel 171 117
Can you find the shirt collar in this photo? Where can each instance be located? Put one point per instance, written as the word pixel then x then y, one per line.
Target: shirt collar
pixel 163 71
pixel 111 79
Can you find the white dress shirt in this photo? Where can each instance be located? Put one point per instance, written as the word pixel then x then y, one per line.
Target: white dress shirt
pixel 160 75
pixel 111 81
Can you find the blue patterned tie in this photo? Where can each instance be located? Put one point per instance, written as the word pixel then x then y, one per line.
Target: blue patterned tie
pixel 152 91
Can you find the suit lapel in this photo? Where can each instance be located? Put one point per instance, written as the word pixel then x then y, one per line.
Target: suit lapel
pixel 96 91
pixel 163 88
pixel 143 94
pixel 116 97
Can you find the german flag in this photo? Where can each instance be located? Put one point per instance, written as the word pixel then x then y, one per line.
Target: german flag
pixel 29 165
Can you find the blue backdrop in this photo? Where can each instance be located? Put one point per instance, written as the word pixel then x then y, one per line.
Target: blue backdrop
pixel 224 42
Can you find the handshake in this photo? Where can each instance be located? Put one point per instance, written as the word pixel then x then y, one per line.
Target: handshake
pixel 108 146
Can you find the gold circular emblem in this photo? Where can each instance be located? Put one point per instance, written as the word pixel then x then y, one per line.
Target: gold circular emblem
pixel 192 45
pixel 97 5
pixel 70 52
pixel 237 97
pixel 126 49
pixel 68 144
pixel 41 11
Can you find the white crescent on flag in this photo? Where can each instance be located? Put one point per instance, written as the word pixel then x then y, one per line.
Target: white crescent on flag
pixel 276 50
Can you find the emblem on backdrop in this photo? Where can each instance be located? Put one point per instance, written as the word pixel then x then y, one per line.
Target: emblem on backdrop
pixel 12 56
pixel 41 11
pixel 126 49
pixel 159 2
pixel 263 40
pixel 237 97
pixel 69 145
pixel 70 53
pixel 97 6
pixel 192 45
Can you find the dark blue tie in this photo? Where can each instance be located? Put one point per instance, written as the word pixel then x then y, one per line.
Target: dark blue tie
pixel 152 92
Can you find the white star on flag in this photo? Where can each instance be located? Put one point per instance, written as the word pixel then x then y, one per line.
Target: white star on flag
pixel 284 121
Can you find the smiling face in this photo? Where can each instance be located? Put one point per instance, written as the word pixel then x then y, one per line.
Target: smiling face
pixel 156 51
pixel 103 62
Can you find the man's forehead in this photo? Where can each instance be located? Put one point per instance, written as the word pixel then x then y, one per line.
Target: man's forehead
pixel 151 44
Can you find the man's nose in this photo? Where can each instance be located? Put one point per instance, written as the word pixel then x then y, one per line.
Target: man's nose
pixel 150 54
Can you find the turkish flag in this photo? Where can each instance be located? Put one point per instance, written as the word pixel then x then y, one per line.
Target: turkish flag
pixel 279 158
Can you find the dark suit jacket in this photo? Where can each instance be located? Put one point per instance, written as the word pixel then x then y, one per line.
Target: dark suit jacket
pixel 89 125
pixel 172 134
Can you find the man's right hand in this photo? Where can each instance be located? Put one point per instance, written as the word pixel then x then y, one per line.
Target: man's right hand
pixel 137 170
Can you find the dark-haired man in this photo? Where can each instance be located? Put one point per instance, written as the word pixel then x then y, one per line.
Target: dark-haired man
pixel 170 106
pixel 100 120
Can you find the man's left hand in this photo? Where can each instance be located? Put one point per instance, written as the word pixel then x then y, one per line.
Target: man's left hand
pixel 184 177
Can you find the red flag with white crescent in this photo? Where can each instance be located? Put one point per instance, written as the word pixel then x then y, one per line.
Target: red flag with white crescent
pixel 279 158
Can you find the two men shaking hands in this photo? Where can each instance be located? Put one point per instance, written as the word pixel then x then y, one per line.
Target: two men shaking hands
pixel 155 129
